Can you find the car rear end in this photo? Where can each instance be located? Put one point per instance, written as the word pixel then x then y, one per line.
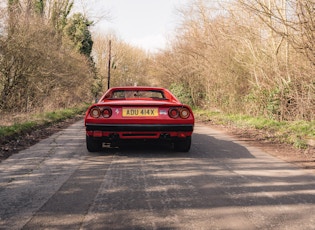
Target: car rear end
pixel 113 122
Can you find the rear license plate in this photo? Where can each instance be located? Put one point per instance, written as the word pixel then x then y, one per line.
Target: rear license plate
pixel 140 112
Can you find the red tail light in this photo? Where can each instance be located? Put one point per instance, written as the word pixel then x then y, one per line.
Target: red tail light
pixel 96 112
pixel 173 112
pixel 107 112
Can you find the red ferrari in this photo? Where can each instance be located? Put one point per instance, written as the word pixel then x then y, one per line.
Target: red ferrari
pixel 138 113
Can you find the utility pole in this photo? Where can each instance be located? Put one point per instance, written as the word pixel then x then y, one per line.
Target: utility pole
pixel 109 63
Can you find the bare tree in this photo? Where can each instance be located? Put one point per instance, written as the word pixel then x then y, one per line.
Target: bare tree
pixel 36 70
pixel 129 65
pixel 242 56
pixel 293 20
pixel 291 31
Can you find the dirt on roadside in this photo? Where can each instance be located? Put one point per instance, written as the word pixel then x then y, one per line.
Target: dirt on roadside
pixel 14 144
pixel 304 158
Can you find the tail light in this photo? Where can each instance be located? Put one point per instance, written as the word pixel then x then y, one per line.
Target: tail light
pixel 107 112
pixel 184 113
pixel 173 112
pixel 95 112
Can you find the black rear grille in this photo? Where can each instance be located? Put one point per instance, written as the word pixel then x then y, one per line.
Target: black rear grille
pixel 139 127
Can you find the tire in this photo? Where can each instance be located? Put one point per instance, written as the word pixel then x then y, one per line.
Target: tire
pixel 93 145
pixel 183 145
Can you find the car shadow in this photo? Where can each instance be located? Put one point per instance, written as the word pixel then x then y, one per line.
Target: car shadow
pixel 203 146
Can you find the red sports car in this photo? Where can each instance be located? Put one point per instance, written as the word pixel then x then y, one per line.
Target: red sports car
pixel 138 113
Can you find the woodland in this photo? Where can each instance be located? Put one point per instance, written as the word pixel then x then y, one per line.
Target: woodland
pixel 251 57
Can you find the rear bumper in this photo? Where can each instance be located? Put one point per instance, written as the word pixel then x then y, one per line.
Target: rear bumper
pixel 114 132
pixel 140 127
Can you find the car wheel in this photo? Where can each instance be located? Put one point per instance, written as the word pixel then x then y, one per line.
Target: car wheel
pixel 93 145
pixel 183 145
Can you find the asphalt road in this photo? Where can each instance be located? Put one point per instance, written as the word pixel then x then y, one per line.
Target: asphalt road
pixel 222 183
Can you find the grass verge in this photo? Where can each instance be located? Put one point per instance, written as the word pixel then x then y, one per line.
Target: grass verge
pixel 39 120
pixel 300 134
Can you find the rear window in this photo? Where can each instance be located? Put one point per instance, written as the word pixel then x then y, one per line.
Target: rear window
pixel 153 94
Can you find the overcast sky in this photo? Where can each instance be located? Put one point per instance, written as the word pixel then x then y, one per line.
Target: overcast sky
pixel 143 23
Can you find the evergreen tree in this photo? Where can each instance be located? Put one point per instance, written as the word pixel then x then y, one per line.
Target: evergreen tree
pixel 77 30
